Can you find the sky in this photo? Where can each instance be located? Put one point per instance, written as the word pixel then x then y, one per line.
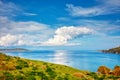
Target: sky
pixel 62 24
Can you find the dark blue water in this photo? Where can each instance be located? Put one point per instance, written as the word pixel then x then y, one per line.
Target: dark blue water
pixel 84 60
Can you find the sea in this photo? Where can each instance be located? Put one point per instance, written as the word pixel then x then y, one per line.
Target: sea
pixel 83 60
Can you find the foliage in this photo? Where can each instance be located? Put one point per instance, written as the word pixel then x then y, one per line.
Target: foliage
pixel 21 64
pixel 8 76
pixel 103 70
pixel 116 71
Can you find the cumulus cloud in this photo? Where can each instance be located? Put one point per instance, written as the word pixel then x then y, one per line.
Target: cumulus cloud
pixel 66 33
pixel 9 39
pixel 22 33
pixel 105 7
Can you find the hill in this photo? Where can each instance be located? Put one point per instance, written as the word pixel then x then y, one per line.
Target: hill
pixel 113 50
pixel 16 68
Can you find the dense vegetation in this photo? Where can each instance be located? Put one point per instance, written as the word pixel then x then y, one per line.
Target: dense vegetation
pixel 113 50
pixel 15 68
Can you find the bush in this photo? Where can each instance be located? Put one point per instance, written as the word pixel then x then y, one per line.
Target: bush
pixel 19 77
pixel 59 78
pixel 43 76
pixel 21 64
pixel 94 75
pixel 103 70
pixel 116 71
pixel 51 73
pixel 31 78
pixel 32 73
pixel 34 68
pixel 18 67
pixel 8 76
pixel 79 75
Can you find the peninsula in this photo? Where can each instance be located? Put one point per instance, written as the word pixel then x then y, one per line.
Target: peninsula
pixel 13 50
pixel 113 50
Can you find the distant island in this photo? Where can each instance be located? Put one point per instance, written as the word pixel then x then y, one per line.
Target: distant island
pixel 13 50
pixel 113 50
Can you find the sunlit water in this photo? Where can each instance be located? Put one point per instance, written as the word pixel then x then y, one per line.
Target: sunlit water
pixel 84 60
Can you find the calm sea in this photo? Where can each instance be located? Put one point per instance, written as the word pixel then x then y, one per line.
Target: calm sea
pixel 84 60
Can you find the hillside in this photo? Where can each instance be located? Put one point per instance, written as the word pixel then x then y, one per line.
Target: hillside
pixel 113 50
pixel 16 68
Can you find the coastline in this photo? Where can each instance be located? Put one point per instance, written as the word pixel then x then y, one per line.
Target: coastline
pixel 39 70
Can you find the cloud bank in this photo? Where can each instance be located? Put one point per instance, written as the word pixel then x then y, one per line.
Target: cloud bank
pixel 66 33
pixel 22 33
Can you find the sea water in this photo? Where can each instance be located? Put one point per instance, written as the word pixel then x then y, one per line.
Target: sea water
pixel 84 60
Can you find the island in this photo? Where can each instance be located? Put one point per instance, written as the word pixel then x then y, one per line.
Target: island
pixel 113 50
pixel 13 50
pixel 16 68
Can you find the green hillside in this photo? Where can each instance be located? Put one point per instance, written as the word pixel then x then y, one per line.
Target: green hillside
pixel 16 68
pixel 113 50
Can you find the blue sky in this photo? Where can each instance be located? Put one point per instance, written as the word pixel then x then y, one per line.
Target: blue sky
pixel 81 24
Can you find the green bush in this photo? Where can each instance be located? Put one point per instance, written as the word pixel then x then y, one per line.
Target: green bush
pixel 21 64
pixel 8 76
pixel 44 76
pixel 94 75
pixel 59 78
pixel 34 68
pixel 31 78
pixel 18 67
pixel 51 73
pixel 19 77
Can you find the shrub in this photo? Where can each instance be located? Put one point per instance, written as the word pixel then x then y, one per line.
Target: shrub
pixel 103 70
pixel 116 71
pixel 18 67
pixel 43 76
pixel 34 68
pixel 59 78
pixel 21 64
pixel 50 72
pixel 94 75
pixel 78 74
pixel 8 76
pixel 19 77
pixel 31 78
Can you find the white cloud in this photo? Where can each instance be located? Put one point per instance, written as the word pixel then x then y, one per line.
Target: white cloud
pixel 114 3
pixel 31 32
pixel 80 11
pixel 30 14
pixel 10 40
pixel 11 9
pixel 8 9
pixel 66 33
pixel 105 7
